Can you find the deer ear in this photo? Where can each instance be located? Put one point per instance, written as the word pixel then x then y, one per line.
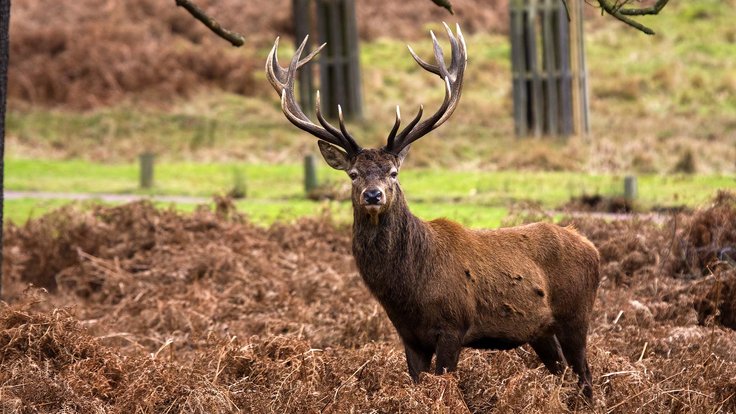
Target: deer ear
pixel 402 154
pixel 333 156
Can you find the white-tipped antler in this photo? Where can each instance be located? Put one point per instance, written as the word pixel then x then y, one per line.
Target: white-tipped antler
pixel 283 79
pixel 453 81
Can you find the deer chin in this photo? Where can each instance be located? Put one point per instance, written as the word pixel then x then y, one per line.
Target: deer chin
pixel 373 211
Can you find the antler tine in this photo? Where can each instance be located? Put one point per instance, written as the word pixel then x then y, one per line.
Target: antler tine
pixel 311 55
pixel 453 48
pixel 409 135
pixel 347 141
pixel 426 66
pixel 322 120
pixel 439 57
pixel 453 80
pixel 404 132
pixel 345 134
pixel 392 134
pixel 274 72
pixel 291 80
pixel 459 71
pixel 306 125
pixel 283 79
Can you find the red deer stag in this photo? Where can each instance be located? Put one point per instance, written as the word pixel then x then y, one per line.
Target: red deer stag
pixel 443 286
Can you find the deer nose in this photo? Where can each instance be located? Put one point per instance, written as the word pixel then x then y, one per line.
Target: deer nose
pixel 373 196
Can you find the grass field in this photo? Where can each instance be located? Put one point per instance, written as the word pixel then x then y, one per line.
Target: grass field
pixel 275 192
pixel 281 182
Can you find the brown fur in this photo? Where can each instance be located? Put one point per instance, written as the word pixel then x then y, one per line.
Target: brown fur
pixel 445 287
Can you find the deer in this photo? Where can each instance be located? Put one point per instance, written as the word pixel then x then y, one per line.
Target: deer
pixel 443 286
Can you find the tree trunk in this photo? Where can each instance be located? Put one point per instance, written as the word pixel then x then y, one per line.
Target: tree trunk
pixel 4 55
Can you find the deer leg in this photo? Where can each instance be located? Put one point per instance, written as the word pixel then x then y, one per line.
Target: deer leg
pixel 418 361
pixel 448 352
pixel 548 349
pixel 573 343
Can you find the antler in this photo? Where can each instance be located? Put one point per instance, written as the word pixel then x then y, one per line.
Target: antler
pixel 453 79
pixel 282 79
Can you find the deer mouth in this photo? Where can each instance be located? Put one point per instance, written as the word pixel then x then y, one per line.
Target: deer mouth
pixel 373 208
pixel 373 211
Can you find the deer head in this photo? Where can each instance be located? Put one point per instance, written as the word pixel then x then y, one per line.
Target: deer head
pixel 374 172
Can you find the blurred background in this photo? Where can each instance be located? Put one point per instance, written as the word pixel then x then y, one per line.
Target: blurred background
pixel 96 84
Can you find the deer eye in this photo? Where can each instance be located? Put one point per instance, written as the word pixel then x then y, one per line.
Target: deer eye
pixel 353 175
pixel 394 174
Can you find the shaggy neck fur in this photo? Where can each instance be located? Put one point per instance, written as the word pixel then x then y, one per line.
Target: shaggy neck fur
pixel 389 254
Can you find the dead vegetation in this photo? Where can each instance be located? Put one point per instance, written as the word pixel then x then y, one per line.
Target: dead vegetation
pixel 154 311
pixel 705 238
pixel 95 52
pixel 600 203
pixel 88 53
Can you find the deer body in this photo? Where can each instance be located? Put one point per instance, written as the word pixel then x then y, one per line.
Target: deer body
pixel 440 276
pixel 443 286
pixel 450 283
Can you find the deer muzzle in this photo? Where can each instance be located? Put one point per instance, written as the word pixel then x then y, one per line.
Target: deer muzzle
pixel 373 197
pixel 373 200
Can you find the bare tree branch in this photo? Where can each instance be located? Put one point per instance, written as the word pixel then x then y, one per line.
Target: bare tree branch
pixel 655 9
pixel 621 12
pixel 567 10
pixel 616 8
pixel 236 39
pixel 444 3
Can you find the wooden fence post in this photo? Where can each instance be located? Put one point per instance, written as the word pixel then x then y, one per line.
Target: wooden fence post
pixel 579 70
pixel 146 169
pixel 565 80
pixel 630 188
pixel 240 184
pixel 310 173
pixel 518 68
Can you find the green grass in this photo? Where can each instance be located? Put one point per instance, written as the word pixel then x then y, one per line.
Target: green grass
pixel 178 178
pixel 275 192
pixel 282 182
pixel 20 210
pixel 267 212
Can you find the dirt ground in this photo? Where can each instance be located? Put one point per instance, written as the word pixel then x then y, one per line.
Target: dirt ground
pixel 136 309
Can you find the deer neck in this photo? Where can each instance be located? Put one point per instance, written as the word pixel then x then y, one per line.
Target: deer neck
pixel 386 250
pixel 386 232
